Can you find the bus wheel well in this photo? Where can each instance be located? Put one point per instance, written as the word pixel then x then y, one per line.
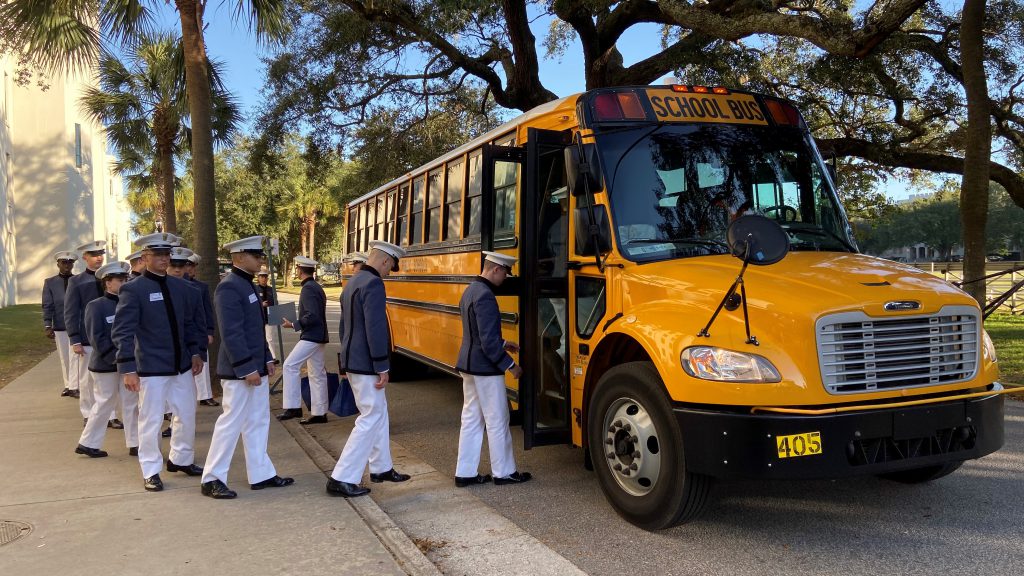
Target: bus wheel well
pixel 614 350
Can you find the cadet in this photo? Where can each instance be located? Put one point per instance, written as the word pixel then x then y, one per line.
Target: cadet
pixel 312 322
pixel 483 361
pixel 54 288
pixel 158 342
pixel 268 298
pixel 365 355
pixel 138 266
pixel 204 389
pixel 99 318
pixel 82 289
pixel 245 367
pixel 356 261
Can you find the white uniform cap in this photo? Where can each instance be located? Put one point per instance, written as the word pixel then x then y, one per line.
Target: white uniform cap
pixel 180 253
pixel 250 244
pixel 500 259
pixel 305 262
pixel 94 246
pixel 65 255
pixel 158 241
pixel 263 271
pixel 112 268
pixel 195 258
pixel 356 258
pixel 396 252
pixel 135 255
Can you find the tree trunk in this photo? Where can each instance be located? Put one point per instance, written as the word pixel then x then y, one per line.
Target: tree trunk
pixel 197 87
pixel 312 236
pixel 303 233
pixel 165 186
pixel 159 215
pixel 977 150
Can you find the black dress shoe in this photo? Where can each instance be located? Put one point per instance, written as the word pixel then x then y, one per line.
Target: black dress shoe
pixel 190 469
pixel 463 481
pixel 209 402
pixel 344 489
pixel 217 490
pixel 389 476
pixel 115 424
pixel 153 483
pixel 514 478
pixel 74 393
pixel 90 452
pixel 66 392
pixel 166 433
pixel 321 419
pixel 133 451
pixel 273 482
pixel 290 413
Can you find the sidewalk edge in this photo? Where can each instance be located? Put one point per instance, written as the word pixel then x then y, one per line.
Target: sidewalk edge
pixel 409 557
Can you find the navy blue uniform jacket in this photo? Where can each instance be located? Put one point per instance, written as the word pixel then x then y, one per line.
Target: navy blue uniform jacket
pixel 243 343
pixel 157 326
pixel 483 349
pixel 99 319
pixel 366 337
pixel 312 312
pixel 82 289
pixel 54 289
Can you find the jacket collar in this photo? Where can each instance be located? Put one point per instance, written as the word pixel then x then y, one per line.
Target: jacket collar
pixel 111 296
pixel 307 279
pixel 90 272
pixel 486 282
pixel 371 270
pixel 155 277
pixel 242 273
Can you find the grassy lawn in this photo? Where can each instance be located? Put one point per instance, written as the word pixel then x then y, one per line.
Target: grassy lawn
pixel 1007 332
pixel 22 342
pixel 333 291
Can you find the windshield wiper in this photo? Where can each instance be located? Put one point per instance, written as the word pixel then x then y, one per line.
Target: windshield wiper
pixel 823 233
pixel 697 241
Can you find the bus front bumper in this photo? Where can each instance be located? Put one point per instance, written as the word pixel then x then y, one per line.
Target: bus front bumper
pixel 733 445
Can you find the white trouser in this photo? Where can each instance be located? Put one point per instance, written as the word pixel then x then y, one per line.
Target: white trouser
pixel 178 393
pixel 370 440
pixel 313 354
pixel 269 330
pixel 204 391
pixel 79 371
pixel 129 414
pixel 484 406
pixel 74 375
pixel 60 338
pixel 105 387
pixel 246 413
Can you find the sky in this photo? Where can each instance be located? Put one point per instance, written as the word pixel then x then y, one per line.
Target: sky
pixel 234 45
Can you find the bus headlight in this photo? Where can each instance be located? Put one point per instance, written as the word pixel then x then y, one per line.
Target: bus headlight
pixel 989 348
pixel 710 363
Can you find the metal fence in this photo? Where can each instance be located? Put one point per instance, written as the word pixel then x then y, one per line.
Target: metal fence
pixel 954 272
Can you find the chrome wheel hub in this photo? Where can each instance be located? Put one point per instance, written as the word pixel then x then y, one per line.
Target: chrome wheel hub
pixel 631 446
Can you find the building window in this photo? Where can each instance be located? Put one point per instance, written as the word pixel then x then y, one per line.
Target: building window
pixel 78 145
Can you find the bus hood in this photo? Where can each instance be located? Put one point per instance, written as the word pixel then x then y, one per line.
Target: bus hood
pixel 805 284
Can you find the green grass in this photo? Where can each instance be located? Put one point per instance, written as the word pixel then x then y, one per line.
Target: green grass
pixel 22 341
pixel 1007 332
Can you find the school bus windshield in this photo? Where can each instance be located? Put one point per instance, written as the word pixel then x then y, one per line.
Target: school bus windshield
pixel 674 189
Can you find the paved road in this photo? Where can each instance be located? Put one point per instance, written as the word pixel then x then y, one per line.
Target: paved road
pixel 971 522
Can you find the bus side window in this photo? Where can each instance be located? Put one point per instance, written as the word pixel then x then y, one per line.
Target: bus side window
pixel 417 210
pixel 434 202
pixel 453 198
pixel 590 304
pixel 389 232
pixel 505 198
pixel 473 193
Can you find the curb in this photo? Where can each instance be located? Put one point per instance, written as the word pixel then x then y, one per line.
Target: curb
pixel 409 557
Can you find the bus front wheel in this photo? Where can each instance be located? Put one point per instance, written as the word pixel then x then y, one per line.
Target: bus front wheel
pixel 637 449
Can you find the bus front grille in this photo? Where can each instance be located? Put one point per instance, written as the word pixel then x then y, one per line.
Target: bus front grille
pixel 859 353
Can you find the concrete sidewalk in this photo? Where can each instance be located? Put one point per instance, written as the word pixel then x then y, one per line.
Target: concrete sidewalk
pixel 92 516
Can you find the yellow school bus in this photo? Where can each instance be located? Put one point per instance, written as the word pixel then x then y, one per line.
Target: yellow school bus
pixel 647 340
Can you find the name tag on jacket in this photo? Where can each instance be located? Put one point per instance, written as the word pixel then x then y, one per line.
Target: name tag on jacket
pixel 252 298
pixel 110 319
pixel 155 296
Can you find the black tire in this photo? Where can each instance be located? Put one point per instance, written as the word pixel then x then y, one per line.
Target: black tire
pixel 921 475
pixel 632 394
pixel 404 368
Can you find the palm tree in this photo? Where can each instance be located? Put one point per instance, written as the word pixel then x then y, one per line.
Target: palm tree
pixel 142 103
pixel 61 35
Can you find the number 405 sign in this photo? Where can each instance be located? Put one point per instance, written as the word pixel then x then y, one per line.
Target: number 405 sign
pixel 806 444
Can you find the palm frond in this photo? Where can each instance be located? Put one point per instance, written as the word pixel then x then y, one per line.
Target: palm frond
pixel 266 19
pixel 56 35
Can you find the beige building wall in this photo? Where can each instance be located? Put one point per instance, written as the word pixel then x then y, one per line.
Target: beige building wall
pixel 59 190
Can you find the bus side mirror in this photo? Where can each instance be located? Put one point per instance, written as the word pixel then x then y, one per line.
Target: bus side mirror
pixel 582 171
pixel 584 239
